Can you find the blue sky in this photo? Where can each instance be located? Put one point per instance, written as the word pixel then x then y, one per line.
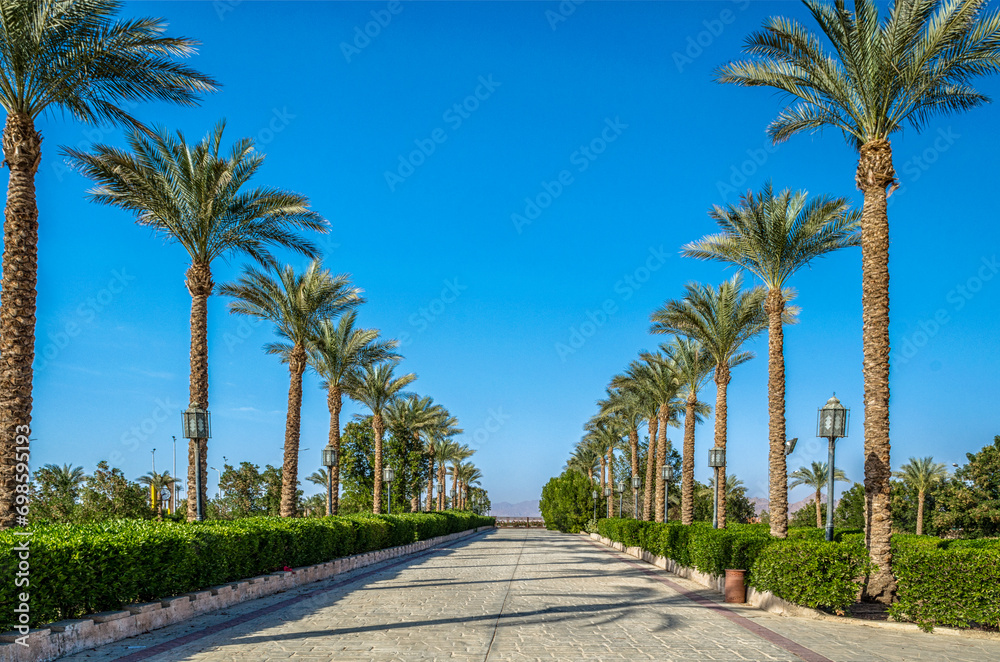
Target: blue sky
pixel 499 178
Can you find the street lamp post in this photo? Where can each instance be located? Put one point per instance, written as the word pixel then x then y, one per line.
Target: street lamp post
pixel 621 490
pixel 219 491
pixel 173 488
pixel 454 493
pixel 329 461
pixel 388 475
pixel 831 422
pixel 636 484
pixel 668 475
pixel 594 495
pixel 196 425
pixel 716 460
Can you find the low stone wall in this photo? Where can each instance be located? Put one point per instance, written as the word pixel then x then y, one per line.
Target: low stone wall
pixel 64 637
pixel 761 599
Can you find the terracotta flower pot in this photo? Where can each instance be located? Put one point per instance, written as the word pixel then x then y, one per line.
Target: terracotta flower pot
pixel 736 587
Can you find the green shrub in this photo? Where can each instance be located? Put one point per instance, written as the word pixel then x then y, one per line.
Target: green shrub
pixel 86 568
pixel 958 586
pixel 812 573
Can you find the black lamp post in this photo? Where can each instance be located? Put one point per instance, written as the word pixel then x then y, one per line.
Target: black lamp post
pixel 621 491
pixel 388 475
pixel 636 484
pixel 832 424
pixel 329 461
pixel 716 460
pixel 668 475
pixel 454 493
pixel 196 425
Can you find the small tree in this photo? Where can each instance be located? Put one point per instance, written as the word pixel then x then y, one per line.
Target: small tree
pixel 567 503
pixel 55 491
pixel 109 495
pixel 971 502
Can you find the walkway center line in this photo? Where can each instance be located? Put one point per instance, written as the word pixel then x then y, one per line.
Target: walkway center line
pixel 764 633
pixel 506 595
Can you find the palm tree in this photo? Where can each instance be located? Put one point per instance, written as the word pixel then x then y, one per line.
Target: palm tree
pixel 692 365
pixel 196 197
pixel 606 433
pixel 584 459
pixel 72 57
pixel 157 483
pixel 319 477
pixel 816 477
pixel 468 475
pixel 410 417
pixel 645 398
pixel 919 62
pixel 338 350
pixel 376 386
pixel 627 404
pixel 772 236
pixel 921 474
pixel 442 429
pixel 721 319
pixel 295 304
pixel 459 454
pixel 66 479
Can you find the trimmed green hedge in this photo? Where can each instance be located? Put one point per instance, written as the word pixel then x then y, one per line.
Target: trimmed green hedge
pixel 812 573
pixel 958 585
pixel 81 569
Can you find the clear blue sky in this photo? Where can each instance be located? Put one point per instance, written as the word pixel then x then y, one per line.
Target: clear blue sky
pixel 620 97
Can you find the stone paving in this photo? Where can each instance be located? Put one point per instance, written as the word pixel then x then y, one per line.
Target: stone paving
pixel 520 595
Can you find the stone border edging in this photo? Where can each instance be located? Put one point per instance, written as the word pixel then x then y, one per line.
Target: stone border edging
pixel 54 640
pixel 770 602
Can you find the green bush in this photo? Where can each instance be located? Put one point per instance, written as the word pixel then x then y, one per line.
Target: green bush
pixel 77 569
pixel 958 585
pixel 812 573
pixel 567 503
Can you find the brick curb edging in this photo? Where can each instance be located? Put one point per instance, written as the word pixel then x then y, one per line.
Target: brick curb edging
pixel 54 640
pixel 769 602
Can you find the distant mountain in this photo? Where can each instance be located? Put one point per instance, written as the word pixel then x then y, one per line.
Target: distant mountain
pixel 521 509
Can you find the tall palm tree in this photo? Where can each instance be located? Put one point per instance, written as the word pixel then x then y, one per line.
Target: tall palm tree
pixel 722 319
pixel 606 432
pixel 157 482
pixel 338 350
pixel 584 459
pixel 921 474
pixel 376 386
pixel 919 62
pixel 468 475
pixel 319 477
pixel 73 57
pixel 626 403
pixel 692 365
pixel 67 479
pixel 295 304
pixel 443 428
pixel 198 198
pixel 815 477
pixel 773 235
pixel 644 397
pixel 458 455
pixel 409 417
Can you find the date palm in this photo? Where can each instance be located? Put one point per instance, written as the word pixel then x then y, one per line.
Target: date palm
pixel 198 197
pixel 773 235
pixel 469 476
pixel 295 303
pixel 583 459
pixel 816 477
pixel 157 482
pixel 319 477
pixel 376 386
pixel 627 404
pixel 722 320
pixel 606 433
pixel 867 78
pixel 692 365
pixel 75 58
pixel 921 474
pixel 410 417
pixel 339 349
pixel 444 426
pixel 459 454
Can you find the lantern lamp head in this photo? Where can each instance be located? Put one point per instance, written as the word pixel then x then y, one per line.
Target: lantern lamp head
pixel 832 419
pixel 196 423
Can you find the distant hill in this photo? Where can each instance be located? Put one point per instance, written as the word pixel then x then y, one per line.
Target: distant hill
pixel 521 509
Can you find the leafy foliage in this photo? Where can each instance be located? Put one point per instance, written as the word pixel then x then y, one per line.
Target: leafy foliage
pixel 812 573
pixel 971 502
pixel 567 502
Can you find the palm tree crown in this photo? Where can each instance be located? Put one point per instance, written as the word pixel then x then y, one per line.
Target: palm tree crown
pixel 921 473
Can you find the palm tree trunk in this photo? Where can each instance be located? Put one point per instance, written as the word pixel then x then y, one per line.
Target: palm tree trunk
pixel 454 484
pixel 334 402
pixel 778 503
pixel 633 441
pixel 22 151
pixel 687 471
pixel 441 477
pixel 611 480
pixel 661 459
pixel 819 511
pixel 199 285
pixel 293 422
pixel 875 173
pixel 379 427
pixel 920 513
pixel 603 463
pixel 650 469
pixel 430 483
pixel 722 378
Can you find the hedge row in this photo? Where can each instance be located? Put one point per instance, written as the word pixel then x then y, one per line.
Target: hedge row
pixel 81 569
pixel 803 568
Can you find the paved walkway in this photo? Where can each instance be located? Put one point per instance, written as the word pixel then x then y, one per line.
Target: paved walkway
pixel 520 595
